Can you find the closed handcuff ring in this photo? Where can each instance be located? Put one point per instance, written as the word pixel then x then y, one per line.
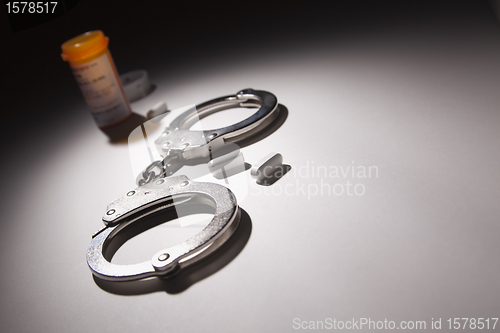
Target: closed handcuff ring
pixel 164 193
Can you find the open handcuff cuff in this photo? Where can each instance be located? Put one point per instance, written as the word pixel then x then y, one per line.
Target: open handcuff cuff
pixel 159 190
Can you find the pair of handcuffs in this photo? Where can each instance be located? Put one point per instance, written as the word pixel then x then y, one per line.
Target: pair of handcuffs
pixel 160 190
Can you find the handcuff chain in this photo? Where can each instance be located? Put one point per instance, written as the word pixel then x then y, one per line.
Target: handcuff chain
pixel 149 175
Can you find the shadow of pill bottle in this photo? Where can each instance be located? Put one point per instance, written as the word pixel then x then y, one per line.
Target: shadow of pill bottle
pixel 95 73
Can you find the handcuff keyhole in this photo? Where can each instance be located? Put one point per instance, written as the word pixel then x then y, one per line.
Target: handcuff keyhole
pixel 163 257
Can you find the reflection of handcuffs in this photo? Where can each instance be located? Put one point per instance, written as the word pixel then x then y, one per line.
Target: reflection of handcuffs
pixel 157 191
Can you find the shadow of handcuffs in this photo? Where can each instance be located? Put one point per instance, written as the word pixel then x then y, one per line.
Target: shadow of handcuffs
pixel 161 193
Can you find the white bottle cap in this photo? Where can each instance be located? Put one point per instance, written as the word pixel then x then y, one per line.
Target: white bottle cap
pixel 135 84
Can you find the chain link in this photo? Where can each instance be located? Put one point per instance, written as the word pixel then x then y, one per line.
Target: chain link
pixel 161 166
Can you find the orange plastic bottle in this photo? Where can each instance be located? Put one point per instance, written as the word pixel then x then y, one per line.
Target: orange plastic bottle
pixel 95 72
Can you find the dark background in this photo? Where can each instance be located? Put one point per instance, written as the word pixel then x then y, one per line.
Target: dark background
pixel 186 35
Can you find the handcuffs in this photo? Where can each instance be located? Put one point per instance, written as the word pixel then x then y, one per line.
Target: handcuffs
pixel 159 190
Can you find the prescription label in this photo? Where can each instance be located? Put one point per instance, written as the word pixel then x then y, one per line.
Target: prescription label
pixel 102 91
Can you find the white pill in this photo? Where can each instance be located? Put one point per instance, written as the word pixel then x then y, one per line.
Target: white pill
pixel 159 107
pixel 234 167
pixel 223 160
pixel 266 165
pixel 158 110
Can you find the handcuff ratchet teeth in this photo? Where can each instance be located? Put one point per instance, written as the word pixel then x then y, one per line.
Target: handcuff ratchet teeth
pixel 158 192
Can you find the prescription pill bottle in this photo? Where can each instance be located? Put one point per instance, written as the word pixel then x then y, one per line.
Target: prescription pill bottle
pixel 95 73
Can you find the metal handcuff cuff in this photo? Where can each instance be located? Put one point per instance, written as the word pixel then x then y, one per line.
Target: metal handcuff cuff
pixel 160 190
